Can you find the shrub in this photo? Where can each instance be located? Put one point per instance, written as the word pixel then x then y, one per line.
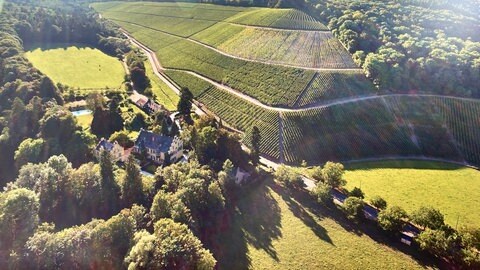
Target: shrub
pixel 322 193
pixel 357 192
pixel 378 202
pixel 392 219
pixel 353 207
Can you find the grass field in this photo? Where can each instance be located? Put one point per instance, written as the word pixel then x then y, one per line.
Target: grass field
pixel 452 189
pixel 272 229
pixel 78 66
pixel 164 95
pixel 85 120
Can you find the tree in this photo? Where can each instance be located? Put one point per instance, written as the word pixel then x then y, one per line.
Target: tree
pixel 288 178
pixel 428 217
pixel 121 137
pixel 255 141
pixel 392 219
pixel 95 101
pixel 322 192
pixel 168 205
pixel 48 90
pixel 29 150
pixel 132 185
pixel 378 202
pixel 172 246
pixel 437 242
pixel 353 207
pixel 110 188
pixel 332 174
pixel 184 106
pixel 18 220
pixel 357 192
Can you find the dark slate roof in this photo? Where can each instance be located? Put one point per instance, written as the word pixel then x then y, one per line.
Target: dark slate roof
pixel 154 141
pixel 104 144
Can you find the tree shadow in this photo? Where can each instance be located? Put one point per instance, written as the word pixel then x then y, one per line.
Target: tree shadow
pixel 45 46
pixel 300 212
pixel 362 227
pixel 254 219
pixel 402 164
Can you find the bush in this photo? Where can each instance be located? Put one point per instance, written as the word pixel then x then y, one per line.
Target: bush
pixel 322 193
pixel 288 178
pixel 378 202
pixel 392 219
pixel 357 192
pixel 428 217
pixel 353 207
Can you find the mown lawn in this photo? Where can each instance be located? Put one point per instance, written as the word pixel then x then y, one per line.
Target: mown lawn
pixel 273 229
pixel 454 190
pixel 78 66
pixel 85 121
pixel 164 95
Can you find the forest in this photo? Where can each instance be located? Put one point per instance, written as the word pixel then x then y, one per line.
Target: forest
pixel 410 46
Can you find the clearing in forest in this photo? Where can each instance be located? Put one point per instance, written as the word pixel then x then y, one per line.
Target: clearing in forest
pixel 78 66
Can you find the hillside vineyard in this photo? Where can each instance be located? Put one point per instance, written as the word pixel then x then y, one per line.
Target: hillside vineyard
pixel 312 102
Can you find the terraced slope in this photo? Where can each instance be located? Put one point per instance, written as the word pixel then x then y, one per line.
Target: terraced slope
pixel 309 49
pixel 326 114
pixel 278 18
pixel 436 127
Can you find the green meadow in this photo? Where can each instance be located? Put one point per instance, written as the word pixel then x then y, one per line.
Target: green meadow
pixel 452 189
pixel 78 66
pixel 275 229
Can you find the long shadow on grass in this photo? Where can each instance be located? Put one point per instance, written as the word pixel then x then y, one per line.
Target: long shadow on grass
pixel 367 228
pixel 254 221
pixel 300 212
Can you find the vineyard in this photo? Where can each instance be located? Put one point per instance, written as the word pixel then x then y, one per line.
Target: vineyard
pixel 243 115
pixel 183 79
pixel 278 18
pixel 181 33
pixel 391 126
pixel 311 49
pixel 328 85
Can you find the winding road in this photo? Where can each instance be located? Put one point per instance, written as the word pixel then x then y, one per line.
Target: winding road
pixel 158 70
pixel 273 63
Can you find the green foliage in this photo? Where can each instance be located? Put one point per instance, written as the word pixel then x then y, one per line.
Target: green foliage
pixel 332 174
pixel 256 144
pixel 353 207
pixel 185 103
pixel 322 193
pixel 98 244
pixel 18 221
pixel 402 53
pixel 172 245
pixel 111 190
pixel 392 219
pixel 378 202
pixel 288 178
pixel 122 138
pixel 357 192
pixel 428 217
pixel 168 205
pixel 132 185
pixel 29 150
